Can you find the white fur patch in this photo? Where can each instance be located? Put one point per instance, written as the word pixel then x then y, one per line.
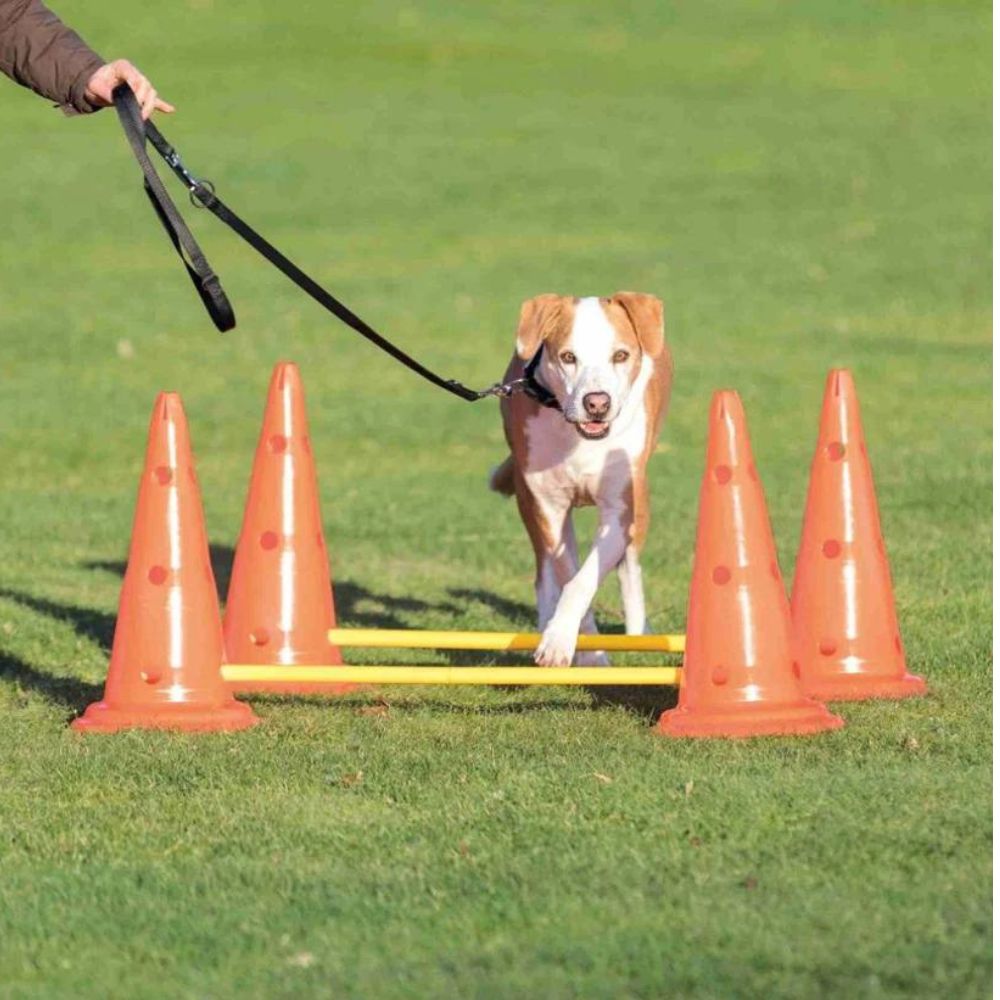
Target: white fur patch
pixel 593 341
pixel 560 464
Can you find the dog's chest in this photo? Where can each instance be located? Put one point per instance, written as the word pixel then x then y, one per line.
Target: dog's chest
pixel 560 463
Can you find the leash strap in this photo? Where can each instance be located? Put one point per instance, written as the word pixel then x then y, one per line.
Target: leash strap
pixel 202 276
pixel 207 283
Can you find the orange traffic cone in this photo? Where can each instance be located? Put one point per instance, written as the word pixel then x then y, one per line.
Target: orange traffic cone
pixel 739 678
pixel 280 603
pixel 164 670
pixel 846 637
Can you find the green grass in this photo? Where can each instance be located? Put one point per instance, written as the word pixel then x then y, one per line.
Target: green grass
pixel 806 185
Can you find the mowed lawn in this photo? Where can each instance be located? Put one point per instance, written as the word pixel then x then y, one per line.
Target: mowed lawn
pixel 806 186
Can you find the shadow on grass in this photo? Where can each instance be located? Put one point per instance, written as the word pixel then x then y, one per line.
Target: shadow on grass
pixel 406 704
pixel 97 626
pixel 521 616
pixel 70 692
pixel 360 607
pixel 646 702
pixel 357 605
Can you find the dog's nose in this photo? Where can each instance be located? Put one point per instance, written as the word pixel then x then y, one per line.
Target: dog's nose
pixel 597 404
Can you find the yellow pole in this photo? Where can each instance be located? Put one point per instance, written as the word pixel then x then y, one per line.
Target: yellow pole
pixel 583 676
pixel 387 638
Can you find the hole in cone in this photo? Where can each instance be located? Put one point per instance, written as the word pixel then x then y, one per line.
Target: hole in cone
pixel 835 451
pixel 831 548
pixel 796 669
pixel 277 443
pixel 269 540
pixel 260 637
pixel 164 476
pixel 721 575
pixel 723 473
pixel 319 539
pixel 158 575
pixel 151 676
pixel 898 643
pixel 720 675
pixel 827 647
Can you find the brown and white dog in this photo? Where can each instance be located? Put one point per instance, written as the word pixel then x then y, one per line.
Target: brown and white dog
pixel 609 367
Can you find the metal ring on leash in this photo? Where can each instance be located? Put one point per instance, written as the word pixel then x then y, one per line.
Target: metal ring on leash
pixel 192 193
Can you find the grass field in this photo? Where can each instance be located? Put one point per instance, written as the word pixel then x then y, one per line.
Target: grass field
pixel 805 185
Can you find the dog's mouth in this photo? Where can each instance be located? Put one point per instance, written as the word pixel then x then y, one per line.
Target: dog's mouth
pixel 593 430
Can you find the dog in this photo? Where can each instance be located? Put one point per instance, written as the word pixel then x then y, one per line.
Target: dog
pixel 607 363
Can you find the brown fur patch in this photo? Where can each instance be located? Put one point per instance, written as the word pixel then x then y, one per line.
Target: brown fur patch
pixel 545 318
pixel 502 479
pixel 645 312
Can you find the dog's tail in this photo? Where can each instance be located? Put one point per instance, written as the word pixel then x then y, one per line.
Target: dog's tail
pixel 502 477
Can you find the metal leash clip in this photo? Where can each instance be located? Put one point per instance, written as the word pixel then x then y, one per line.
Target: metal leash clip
pixel 502 390
pixel 173 160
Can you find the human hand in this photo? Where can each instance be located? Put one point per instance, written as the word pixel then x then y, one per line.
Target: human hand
pixel 104 81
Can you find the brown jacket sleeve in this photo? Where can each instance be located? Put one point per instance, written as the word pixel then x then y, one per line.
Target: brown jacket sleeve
pixel 39 51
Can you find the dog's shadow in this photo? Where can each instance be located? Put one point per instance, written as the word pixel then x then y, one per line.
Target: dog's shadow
pixel 357 606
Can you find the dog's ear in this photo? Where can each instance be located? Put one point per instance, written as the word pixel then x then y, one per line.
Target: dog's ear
pixel 539 317
pixel 645 313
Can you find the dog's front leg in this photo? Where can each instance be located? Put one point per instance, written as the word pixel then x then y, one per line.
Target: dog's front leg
pixel 547 519
pixel 557 565
pixel 559 638
pixel 633 594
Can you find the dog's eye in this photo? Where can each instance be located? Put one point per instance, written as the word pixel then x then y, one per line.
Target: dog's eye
pixel 567 358
pixel 619 356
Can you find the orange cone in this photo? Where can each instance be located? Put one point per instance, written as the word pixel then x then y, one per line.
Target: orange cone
pixel 165 660
pixel 280 603
pixel 739 678
pixel 843 614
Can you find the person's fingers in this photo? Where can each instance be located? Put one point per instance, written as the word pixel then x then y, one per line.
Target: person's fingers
pixel 125 72
pixel 103 82
pixel 148 104
pixel 144 93
pixel 136 81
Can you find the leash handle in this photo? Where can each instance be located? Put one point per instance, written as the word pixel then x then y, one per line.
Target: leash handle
pixel 210 289
pixel 204 279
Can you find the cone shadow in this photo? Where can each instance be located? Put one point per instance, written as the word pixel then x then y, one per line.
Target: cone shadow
pixel 97 626
pixel 359 606
pixel 69 692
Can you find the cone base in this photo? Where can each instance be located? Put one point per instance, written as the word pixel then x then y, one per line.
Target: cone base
pixel 861 687
pixel 100 717
pixel 796 718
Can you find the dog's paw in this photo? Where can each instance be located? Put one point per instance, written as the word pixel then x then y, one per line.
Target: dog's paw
pixel 557 647
pixel 594 658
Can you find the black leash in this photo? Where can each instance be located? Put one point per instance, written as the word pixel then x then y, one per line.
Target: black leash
pixel 207 283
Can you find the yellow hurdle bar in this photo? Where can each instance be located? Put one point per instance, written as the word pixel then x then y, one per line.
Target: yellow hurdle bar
pixel 387 638
pixel 583 676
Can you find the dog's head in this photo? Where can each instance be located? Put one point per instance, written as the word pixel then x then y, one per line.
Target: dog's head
pixel 592 351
